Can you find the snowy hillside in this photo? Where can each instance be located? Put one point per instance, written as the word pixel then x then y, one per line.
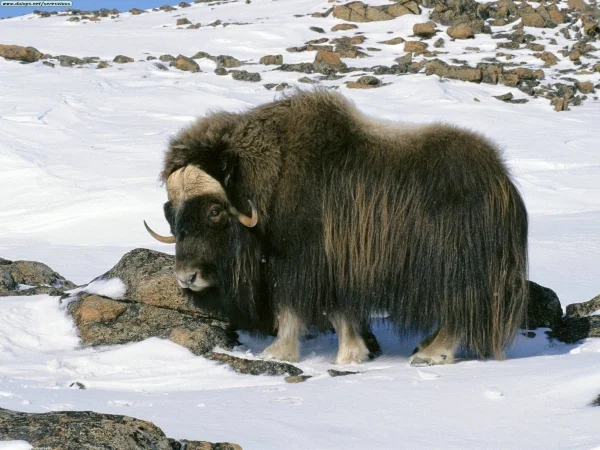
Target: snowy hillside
pixel 80 153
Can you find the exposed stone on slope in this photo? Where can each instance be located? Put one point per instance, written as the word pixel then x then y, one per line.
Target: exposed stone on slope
pixel 86 430
pixel 19 53
pixel 186 64
pixel 39 276
pixel 255 366
pixel 584 309
pixel 361 12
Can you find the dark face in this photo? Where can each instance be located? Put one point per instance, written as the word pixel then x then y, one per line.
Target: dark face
pixel 203 226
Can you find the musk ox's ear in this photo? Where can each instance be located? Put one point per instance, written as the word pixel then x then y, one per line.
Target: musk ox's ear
pixel 229 166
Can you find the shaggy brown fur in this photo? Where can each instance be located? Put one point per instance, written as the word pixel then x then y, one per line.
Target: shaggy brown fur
pixel 358 217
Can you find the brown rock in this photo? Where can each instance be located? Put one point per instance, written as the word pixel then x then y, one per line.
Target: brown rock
pixel 328 62
pixel 136 11
pixel 578 5
pixel 596 67
pixel 393 41
pixel 439 43
pixel 464 73
pixel 18 53
pixel 557 16
pixel 30 273
pixel 549 58
pixel 360 12
pixel 186 64
pixel 424 30
pixel 94 309
pixel 515 76
pixel 584 309
pixel 364 82
pixel 585 87
pixel 271 60
pixel 533 19
pixel 461 31
pixel 344 27
pixel 183 21
pixel 122 59
pixel 535 47
pixel 415 47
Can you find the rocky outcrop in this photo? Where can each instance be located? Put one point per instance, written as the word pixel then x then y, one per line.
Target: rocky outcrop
pixel 87 430
pixel 186 64
pixel 29 278
pixel 19 53
pixel 151 306
pixel 544 307
pixel 361 12
pixel 581 321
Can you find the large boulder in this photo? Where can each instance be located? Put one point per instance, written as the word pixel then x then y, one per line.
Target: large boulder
pixel 87 430
pixel 581 321
pixel 19 53
pixel 544 307
pixel 150 305
pixel 360 12
pixel 30 277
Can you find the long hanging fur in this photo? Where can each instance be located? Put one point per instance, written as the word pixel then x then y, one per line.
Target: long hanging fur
pixel 360 217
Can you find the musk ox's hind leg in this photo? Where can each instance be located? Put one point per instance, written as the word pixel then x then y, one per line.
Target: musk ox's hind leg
pixel 352 347
pixel 287 345
pixel 439 348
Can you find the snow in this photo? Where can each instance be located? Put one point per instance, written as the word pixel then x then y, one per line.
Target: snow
pixel 80 153
pixel 111 288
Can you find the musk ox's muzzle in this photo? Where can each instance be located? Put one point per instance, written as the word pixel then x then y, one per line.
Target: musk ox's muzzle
pixel 185 184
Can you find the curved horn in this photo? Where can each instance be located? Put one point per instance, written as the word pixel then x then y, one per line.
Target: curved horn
pixel 158 237
pixel 249 221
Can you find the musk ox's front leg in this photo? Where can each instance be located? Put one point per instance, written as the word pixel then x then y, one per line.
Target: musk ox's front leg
pixel 287 345
pixel 439 348
pixel 352 348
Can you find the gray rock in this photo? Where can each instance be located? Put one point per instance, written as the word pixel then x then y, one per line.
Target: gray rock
pixel 69 61
pixel 255 366
pixel 584 309
pixel 544 308
pixel 340 373
pixel 297 67
pixel 29 273
pixel 166 58
pixel 573 329
pixel 86 430
pixel 122 59
pixel 244 75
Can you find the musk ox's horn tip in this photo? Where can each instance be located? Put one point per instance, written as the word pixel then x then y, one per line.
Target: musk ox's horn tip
pixel 249 221
pixel 158 237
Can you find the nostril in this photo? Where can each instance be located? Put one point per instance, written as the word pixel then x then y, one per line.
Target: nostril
pixel 192 278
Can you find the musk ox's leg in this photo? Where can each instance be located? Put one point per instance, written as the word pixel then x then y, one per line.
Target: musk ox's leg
pixel 440 350
pixel 287 345
pixel 425 342
pixel 352 347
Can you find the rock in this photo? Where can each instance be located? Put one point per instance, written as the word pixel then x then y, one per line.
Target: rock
pixel 186 64
pixel 122 59
pixel 297 379
pixel 360 12
pixel 596 402
pixel 452 12
pixel 344 27
pixel 544 308
pixel 585 87
pixel 298 67
pixel 340 373
pixel 160 66
pixel 461 31
pixel 504 97
pixel 549 58
pixel 255 366
pixel 415 47
pixel 393 41
pixel 226 61
pixel 195 26
pixel 104 321
pixel 184 5
pixel 442 69
pixel 73 19
pixel 48 63
pixel 271 60
pixel 317 29
pixel 30 273
pixel 424 30
pixel 136 11
pixel 183 21
pixel 590 25
pixel 102 65
pixel 584 309
pixel 364 82
pixel 533 20
pixel 578 5
pixel 596 67
pixel 166 58
pixel 18 53
pixel 306 80
pixel 69 61
pixel 86 430
pixel 167 8
pixel 328 62
pixel 244 75
pixel 535 47
pixel 573 329
pixel 439 43
pixel 515 76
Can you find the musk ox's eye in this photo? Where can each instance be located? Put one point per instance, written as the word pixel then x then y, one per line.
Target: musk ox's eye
pixel 215 213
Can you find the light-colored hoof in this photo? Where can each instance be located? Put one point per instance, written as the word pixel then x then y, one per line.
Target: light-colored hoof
pixel 355 356
pixel 420 359
pixel 282 352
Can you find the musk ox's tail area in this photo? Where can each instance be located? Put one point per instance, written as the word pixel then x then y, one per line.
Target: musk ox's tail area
pixel 436 237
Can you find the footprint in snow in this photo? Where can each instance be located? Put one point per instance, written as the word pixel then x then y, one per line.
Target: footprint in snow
pixel 427 375
pixel 290 400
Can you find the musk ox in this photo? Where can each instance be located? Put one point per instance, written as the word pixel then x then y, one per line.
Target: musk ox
pixel 305 211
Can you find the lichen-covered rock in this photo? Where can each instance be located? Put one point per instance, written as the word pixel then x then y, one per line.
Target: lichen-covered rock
pixel 360 12
pixel 573 329
pixel 87 430
pixel 584 309
pixel 19 53
pixel 186 64
pixel 271 60
pixel 328 62
pixel 415 47
pixel 244 75
pixel 14 275
pixel 255 366
pixel 122 59
pixel 365 82
pixel 442 69
pixel 424 30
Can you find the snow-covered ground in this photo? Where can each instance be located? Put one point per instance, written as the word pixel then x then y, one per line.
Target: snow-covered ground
pixel 80 153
